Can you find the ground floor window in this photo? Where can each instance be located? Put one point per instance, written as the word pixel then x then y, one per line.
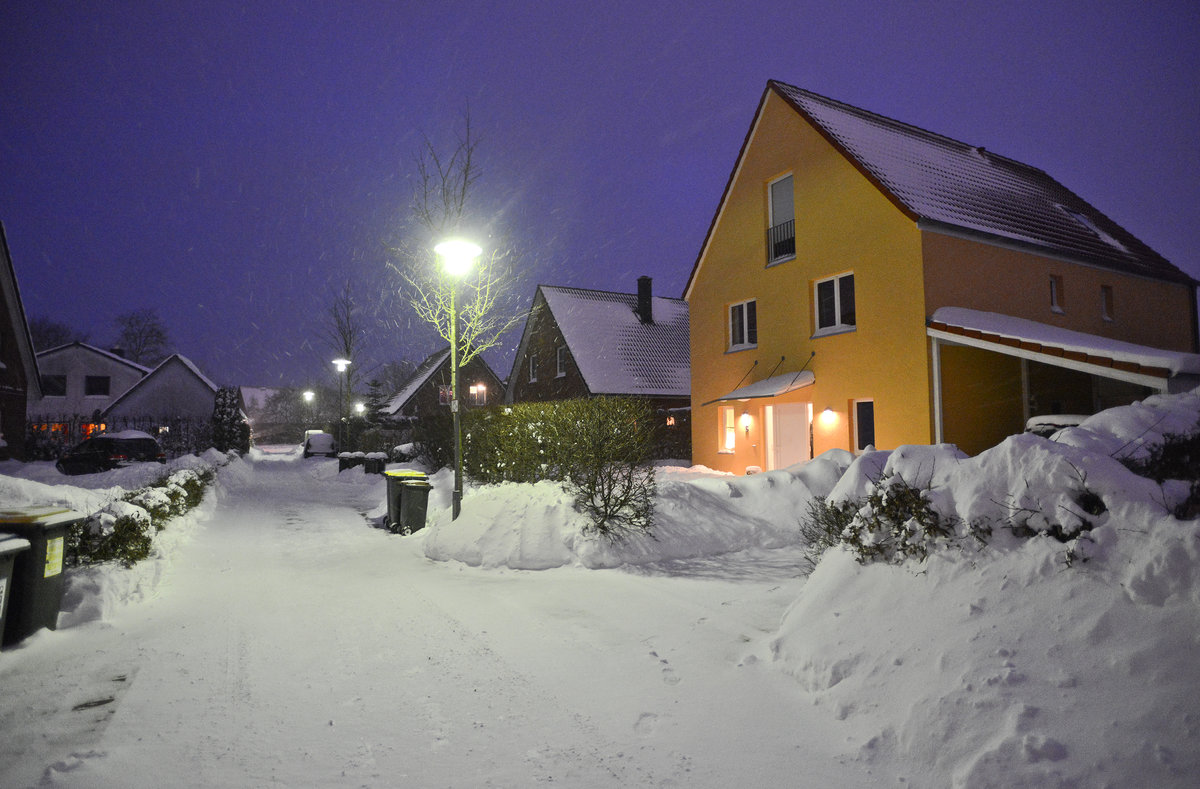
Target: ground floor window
pixel 864 424
pixel 727 435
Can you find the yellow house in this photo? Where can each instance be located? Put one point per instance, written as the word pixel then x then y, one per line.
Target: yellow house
pixel 865 282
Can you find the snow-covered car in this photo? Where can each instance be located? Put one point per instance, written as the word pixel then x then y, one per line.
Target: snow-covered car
pixel 109 451
pixel 320 444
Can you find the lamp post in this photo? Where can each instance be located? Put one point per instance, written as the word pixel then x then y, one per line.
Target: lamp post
pixel 308 402
pixel 341 365
pixel 457 256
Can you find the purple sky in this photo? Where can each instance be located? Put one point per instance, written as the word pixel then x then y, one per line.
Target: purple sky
pixel 231 163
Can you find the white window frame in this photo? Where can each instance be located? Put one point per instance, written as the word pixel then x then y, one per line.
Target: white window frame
pixel 773 220
pixel 1107 303
pixel 1057 294
pixel 561 354
pixel 744 324
pixel 858 444
pixel 839 325
pixel 533 368
pixel 726 430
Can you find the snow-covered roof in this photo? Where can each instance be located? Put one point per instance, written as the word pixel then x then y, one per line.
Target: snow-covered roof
pixel 1034 337
pixel 153 375
pixel 948 182
pixel 415 381
pixel 93 349
pixel 770 387
pixel 10 293
pixel 618 354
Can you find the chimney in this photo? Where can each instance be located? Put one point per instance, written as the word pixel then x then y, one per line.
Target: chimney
pixel 645 311
pixel 117 350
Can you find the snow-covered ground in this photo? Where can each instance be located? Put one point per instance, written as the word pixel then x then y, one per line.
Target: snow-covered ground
pixel 278 640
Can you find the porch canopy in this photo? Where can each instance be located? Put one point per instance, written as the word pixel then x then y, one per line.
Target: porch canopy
pixel 1158 369
pixel 770 387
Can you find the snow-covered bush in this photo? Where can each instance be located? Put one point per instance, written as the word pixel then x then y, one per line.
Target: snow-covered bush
pixel 894 522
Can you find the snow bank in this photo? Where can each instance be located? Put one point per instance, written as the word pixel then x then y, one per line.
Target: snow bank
pixel 535 527
pixel 1031 662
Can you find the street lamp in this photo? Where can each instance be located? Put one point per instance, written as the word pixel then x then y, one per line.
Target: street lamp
pixel 457 256
pixel 308 401
pixel 341 365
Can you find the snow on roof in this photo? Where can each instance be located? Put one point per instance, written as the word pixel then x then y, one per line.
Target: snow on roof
pixel 1046 336
pixel 618 354
pixel 964 186
pixel 153 374
pixel 99 351
pixel 415 381
pixel 770 387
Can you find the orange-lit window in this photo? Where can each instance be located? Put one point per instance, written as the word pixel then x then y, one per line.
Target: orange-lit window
pixel 728 429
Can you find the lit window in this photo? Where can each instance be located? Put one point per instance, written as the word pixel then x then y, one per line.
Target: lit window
pixel 781 232
pixel 1056 293
pixel 1106 302
pixel 835 304
pixel 864 424
pixel 478 394
pixel 562 361
pixel 728 430
pixel 743 325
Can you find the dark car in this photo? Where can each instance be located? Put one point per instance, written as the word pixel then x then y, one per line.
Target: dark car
pixel 111 451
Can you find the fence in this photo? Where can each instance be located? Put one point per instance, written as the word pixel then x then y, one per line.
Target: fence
pixel 47 438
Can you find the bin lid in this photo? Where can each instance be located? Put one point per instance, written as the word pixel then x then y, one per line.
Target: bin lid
pixel 407 473
pixel 416 483
pixel 11 543
pixel 40 516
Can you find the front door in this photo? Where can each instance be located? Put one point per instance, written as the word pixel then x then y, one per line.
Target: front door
pixel 789 434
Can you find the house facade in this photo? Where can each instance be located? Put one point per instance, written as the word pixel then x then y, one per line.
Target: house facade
pixel 427 390
pixel 868 283
pixel 79 382
pixel 19 379
pixel 590 343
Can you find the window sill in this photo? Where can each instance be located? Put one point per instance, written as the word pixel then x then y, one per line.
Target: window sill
pixel 724 451
pixel 739 348
pixel 1058 310
pixel 780 261
pixel 561 375
pixel 833 331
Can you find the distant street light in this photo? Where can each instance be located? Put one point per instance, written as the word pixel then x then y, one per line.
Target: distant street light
pixel 457 257
pixel 341 365
pixel 308 400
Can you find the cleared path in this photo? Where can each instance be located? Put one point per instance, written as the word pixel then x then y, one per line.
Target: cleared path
pixel 292 645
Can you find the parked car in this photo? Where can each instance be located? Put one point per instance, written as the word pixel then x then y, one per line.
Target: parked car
pixel 320 444
pixel 109 451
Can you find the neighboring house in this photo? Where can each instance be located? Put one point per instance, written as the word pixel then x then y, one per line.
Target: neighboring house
pixel 907 288
pixel 79 382
pixel 581 343
pixel 427 390
pixel 588 343
pixel 19 382
pixel 175 389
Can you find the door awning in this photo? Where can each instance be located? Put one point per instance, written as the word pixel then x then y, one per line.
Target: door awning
pixel 770 387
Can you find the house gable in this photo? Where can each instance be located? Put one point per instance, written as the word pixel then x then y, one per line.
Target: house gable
pixel 19 378
pixel 72 365
pixel 174 389
pixel 421 393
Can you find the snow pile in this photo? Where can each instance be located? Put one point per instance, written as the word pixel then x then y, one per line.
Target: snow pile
pixel 535 527
pixel 1032 662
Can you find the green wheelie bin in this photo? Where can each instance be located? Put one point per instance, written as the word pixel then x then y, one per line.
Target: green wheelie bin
pixel 37 578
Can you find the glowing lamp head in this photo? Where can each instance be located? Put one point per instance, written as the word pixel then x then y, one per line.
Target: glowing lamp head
pixel 457 255
pixel 309 395
pixel 828 417
pixel 341 364
pixel 746 420
pixel 359 408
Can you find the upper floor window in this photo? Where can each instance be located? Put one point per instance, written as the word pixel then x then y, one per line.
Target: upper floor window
pixel 743 325
pixel 561 353
pixel 1106 302
pixel 532 368
pixel 835 304
pixel 478 394
pixel 95 385
pixel 781 224
pixel 1056 293
pixel 54 386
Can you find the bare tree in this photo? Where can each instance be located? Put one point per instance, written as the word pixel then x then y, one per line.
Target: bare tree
pixel 47 333
pixel 142 336
pixel 344 333
pixel 441 207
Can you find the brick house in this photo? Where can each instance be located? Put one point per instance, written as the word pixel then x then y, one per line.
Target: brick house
pixel 20 383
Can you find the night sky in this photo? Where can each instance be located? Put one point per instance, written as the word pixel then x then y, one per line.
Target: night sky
pixel 232 164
